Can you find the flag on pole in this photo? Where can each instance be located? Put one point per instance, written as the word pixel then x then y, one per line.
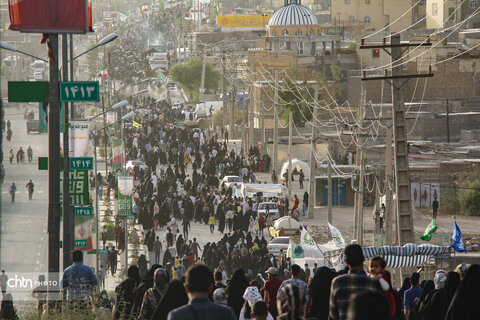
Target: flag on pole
pixel 136 124
pixel 431 228
pixel 457 244
pixel 311 7
pixel 337 237
pixel 218 7
pixel 307 242
pixel 231 10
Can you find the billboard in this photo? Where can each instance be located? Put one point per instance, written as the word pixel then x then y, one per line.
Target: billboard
pixel 50 16
pixel 243 21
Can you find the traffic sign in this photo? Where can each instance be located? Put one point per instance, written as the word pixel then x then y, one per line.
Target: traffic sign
pixel 81 163
pixel 74 91
pixel 28 91
pixel 80 243
pixel 83 211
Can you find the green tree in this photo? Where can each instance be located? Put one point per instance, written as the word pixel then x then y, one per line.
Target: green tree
pixel 189 76
pixel 296 98
pixel 469 199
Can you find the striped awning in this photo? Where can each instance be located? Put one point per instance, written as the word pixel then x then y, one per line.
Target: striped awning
pixel 409 255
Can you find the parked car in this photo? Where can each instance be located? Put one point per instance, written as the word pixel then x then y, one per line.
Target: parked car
pixel 270 208
pixel 230 181
pixel 129 166
pixel 33 125
pixel 277 244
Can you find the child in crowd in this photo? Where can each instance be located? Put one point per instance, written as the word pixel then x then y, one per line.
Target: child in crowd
pixel 376 269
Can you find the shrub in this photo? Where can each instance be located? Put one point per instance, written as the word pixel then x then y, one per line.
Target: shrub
pixel 469 199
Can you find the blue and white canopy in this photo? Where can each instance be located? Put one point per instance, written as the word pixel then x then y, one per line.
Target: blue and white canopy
pixel 409 255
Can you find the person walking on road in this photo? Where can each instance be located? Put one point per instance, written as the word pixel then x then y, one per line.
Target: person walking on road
pixel 3 282
pixel 104 235
pixel 301 178
pixel 13 189
pixel 157 247
pixel 30 187
pixel 10 155
pixel 30 153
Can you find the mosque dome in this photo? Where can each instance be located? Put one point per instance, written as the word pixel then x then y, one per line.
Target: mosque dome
pixel 293 14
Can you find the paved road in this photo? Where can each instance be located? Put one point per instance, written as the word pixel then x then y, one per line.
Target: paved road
pixel 24 223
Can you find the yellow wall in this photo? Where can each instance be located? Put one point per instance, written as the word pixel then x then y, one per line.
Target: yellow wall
pixel 243 21
pixel 381 13
pixel 442 17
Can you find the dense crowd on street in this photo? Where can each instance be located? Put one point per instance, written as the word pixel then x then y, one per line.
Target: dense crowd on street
pixel 236 277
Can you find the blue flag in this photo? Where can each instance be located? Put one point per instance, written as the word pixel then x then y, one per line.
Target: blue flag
pixel 457 244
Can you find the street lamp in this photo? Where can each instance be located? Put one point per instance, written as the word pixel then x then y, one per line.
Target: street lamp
pixel 125 117
pixel 10 47
pixel 111 37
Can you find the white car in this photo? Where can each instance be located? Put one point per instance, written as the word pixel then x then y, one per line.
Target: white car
pixel 230 181
pixel 269 207
pixel 277 244
pixel 132 163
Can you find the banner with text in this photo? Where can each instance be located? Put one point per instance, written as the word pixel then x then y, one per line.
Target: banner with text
pixel 78 133
pixel 83 233
pixel 125 192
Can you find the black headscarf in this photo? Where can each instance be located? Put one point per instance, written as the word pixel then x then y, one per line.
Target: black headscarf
pixel 320 286
pixel 465 304
pixel 236 287
pixel 174 297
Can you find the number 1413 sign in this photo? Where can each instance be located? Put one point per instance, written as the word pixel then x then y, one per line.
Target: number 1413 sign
pixel 75 91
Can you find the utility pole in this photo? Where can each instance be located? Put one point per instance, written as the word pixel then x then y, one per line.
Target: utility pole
pixel 67 213
pixel 330 190
pixel 290 134
pixel 358 161
pixel 53 227
pixel 232 110
pixel 388 179
pixel 202 80
pixel 242 149
pixel 275 127
pixel 313 161
pixel 448 123
pixel 251 127
pixel 224 90
pixel 402 176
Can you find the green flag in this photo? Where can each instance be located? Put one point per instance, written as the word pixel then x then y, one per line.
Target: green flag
pixel 431 228
pixel 311 7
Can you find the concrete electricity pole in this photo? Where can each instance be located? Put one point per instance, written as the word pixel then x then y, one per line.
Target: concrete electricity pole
pixel 251 126
pixel 232 110
pixel 275 128
pixel 67 212
pixel 53 225
pixel 202 80
pixel 330 188
pixel 290 136
pixel 313 161
pixel 388 182
pixel 243 123
pixel 402 176
pixel 224 91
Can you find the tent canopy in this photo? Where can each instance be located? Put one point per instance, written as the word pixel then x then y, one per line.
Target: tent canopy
pixel 287 223
pixel 409 255
pixel 268 190
pixel 298 164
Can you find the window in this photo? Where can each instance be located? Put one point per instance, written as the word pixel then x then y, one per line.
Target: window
pixel 451 14
pixel 352 19
pixel 285 32
pixel 473 4
pixel 367 1
pixel 376 53
pixel 299 33
pixel 310 32
pixel 366 19
pixel 274 33
pixel 434 9
pixel 347 1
